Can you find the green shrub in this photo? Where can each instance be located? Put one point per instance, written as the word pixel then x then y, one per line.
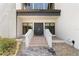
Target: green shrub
pixel 7 46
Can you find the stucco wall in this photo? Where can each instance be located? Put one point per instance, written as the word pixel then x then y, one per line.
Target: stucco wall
pixel 8 20
pixel 33 19
pixel 67 26
pixel 19 27
pixel 18 6
pixel 38 18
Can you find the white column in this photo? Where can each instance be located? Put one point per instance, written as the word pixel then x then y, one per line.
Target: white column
pixel 33 26
pixel 44 25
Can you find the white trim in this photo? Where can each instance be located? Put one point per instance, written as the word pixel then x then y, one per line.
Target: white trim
pixel 44 25
pixel 33 5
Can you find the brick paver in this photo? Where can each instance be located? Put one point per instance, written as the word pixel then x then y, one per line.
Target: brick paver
pixel 63 49
pixel 38 41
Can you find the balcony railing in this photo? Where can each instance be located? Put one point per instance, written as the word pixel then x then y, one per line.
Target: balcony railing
pixel 50 10
pixel 39 12
pixel 38 6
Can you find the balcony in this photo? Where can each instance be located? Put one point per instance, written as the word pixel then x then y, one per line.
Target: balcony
pixel 43 9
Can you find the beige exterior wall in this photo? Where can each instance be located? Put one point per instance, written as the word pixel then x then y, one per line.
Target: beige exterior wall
pixel 38 18
pixel 19 27
pixel 8 20
pixel 67 26
pixel 33 19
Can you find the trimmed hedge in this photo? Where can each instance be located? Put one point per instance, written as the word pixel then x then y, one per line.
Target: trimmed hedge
pixel 7 46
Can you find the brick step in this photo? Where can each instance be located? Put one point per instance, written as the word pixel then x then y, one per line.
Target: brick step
pixel 40 45
pixel 38 41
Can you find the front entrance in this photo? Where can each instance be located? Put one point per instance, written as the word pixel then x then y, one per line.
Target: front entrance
pixel 38 28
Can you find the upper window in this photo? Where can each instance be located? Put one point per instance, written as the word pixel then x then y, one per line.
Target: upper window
pixel 46 6
pixel 27 5
pixel 36 5
pixel 40 5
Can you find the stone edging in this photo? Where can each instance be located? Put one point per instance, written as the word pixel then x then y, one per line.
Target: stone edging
pixel 17 48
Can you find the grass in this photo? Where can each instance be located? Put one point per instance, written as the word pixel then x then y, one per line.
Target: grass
pixel 7 46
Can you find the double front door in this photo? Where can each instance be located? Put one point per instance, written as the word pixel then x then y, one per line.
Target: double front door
pixel 38 28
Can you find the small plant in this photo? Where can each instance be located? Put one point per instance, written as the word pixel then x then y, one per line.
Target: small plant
pixel 7 46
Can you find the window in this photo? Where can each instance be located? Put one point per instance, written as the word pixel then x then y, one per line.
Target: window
pixel 26 27
pixel 40 5
pixel 51 27
pixel 36 5
pixel 28 5
pixel 46 5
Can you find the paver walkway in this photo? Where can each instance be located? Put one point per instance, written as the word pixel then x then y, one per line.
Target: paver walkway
pixel 63 49
pixel 38 47
pixel 60 48
pixel 35 51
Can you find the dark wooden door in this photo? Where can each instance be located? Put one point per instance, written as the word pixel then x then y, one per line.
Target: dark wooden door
pixel 38 28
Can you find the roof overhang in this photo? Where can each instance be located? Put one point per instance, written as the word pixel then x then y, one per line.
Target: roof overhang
pixel 54 12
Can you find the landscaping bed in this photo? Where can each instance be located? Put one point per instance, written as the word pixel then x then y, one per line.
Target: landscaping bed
pixel 8 46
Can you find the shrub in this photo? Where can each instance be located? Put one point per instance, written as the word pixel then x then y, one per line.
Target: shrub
pixel 7 46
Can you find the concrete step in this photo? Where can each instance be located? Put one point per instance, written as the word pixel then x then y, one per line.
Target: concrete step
pixel 58 41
